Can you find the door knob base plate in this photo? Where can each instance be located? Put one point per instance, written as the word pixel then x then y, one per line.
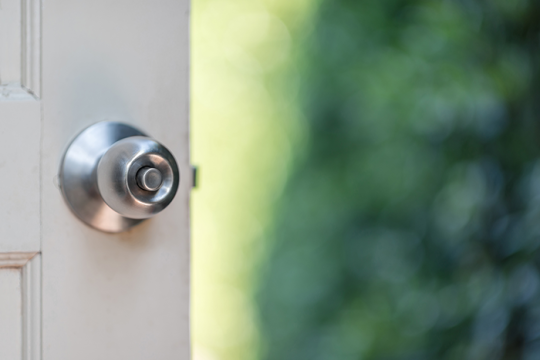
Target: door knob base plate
pixel 78 172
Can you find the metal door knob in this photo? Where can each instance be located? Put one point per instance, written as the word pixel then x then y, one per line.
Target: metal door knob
pixel 113 176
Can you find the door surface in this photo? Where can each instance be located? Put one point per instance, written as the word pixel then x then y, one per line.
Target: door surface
pixel 68 291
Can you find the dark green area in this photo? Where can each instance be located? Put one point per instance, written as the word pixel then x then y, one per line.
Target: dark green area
pixel 410 226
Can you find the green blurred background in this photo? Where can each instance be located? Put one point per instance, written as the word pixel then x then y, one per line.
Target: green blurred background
pixel 369 182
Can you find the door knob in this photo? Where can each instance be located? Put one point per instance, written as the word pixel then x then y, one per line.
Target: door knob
pixel 113 176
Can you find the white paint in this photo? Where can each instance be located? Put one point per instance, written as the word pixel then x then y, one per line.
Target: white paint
pixel 20 125
pixel 120 296
pixel 103 296
pixel 10 41
pixel 20 306
pixel 19 174
pixel 31 46
pixel 20 39
pixel 31 312
pixel 20 131
pixel 10 310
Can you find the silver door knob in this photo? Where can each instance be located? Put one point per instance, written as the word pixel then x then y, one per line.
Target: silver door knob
pixel 113 176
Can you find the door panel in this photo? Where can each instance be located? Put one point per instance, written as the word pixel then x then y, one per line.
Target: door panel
pixel 20 124
pixel 20 131
pixel 19 165
pixel 93 295
pixel 121 296
pixel 10 310
pixel 20 306
pixel 20 48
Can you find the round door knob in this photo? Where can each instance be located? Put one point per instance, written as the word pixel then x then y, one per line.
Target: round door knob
pixel 113 176
pixel 125 164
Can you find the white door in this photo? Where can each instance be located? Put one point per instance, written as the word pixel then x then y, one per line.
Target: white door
pixel 68 291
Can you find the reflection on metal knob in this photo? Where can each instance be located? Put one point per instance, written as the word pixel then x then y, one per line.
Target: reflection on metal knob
pixel 113 176
pixel 118 175
pixel 149 179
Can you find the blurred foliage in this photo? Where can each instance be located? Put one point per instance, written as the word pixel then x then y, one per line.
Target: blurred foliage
pixel 409 227
pixel 245 126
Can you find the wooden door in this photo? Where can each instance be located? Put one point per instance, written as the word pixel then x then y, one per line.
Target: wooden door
pixel 68 291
